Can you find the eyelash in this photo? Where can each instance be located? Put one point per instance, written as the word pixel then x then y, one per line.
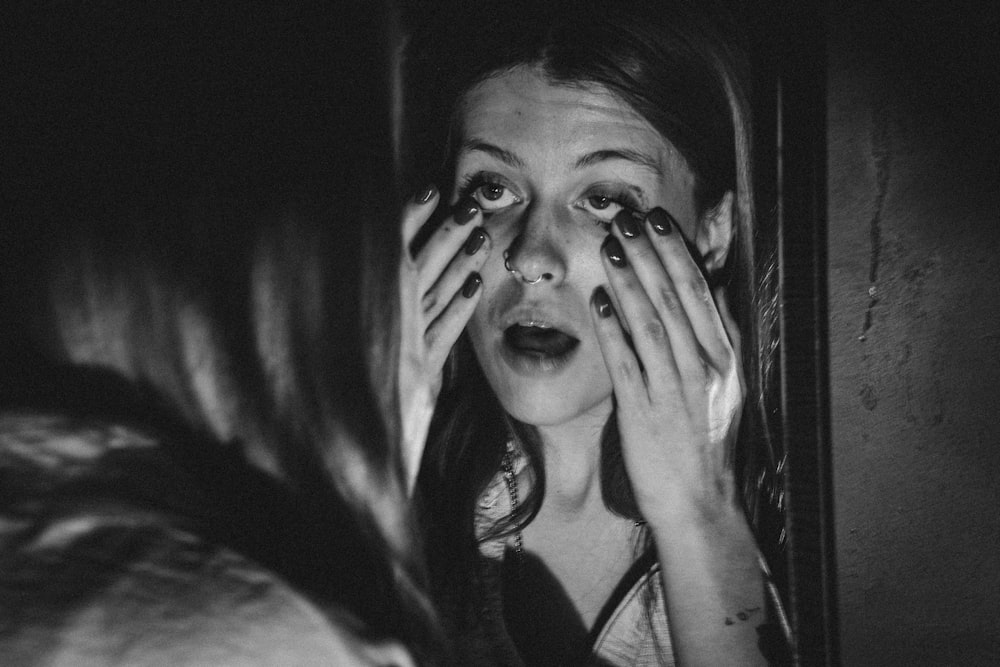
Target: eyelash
pixel 473 182
pixel 625 198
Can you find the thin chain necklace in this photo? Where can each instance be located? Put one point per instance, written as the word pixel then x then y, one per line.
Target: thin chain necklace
pixel 511 480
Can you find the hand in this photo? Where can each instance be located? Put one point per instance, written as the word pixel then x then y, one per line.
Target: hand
pixel 680 393
pixel 439 290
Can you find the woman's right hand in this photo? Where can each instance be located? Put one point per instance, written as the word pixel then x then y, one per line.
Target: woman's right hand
pixel 439 289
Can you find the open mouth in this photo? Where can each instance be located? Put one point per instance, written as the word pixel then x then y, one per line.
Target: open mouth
pixel 542 342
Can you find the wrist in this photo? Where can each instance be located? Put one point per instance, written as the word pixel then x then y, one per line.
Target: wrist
pixel 714 504
pixel 697 525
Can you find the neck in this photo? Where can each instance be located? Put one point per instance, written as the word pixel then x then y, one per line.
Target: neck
pixel 572 454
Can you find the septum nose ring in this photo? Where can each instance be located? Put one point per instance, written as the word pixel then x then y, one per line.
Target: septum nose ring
pixel 517 274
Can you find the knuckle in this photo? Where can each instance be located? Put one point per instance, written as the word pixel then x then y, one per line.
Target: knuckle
pixel 667 300
pixel 654 330
pixel 631 284
pixel 626 369
pixel 705 302
pixel 696 285
pixel 643 253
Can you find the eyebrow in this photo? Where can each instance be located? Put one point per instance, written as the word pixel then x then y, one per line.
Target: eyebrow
pixel 505 156
pixel 588 160
pixel 637 157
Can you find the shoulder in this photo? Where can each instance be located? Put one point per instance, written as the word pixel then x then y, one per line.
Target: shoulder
pixel 87 591
pixel 102 581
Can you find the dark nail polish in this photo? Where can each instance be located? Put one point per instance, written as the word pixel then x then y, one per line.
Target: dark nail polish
pixel 613 249
pixel 471 285
pixel 627 224
pixel 425 195
pixel 602 302
pixel 465 210
pixel 661 221
pixel 475 241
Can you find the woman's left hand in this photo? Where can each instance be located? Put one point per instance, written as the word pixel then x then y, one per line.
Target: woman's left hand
pixel 680 390
pixel 679 397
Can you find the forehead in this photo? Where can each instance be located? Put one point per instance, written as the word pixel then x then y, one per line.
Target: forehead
pixel 523 108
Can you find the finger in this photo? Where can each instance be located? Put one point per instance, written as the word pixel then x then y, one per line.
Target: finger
pixel 660 290
pixel 445 330
pixel 689 283
pixel 445 242
pixel 470 259
pixel 623 365
pixel 652 334
pixel 416 212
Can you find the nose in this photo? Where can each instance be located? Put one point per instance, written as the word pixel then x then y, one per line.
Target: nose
pixel 536 255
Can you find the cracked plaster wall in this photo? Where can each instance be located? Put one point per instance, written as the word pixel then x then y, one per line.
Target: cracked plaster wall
pixel 914 277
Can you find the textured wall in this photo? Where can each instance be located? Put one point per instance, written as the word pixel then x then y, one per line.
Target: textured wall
pixel 914 214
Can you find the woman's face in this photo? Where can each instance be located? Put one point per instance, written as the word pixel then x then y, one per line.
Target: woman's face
pixel 551 165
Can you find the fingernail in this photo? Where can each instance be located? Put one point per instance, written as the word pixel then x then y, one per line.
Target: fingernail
pixel 425 195
pixel 602 302
pixel 661 221
pixel 613 249
pixel 627 224
pixel 471 285
pixel 475 241
pixel 465 210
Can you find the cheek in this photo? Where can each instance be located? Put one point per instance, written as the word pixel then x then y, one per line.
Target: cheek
pixel 586 272
pixel 477 326
pixel 502 228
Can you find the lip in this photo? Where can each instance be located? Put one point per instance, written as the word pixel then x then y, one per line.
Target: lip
pixel 532 363
pixel 535 315
pixel 526 352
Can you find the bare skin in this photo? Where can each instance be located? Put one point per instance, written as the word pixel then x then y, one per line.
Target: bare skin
pixel 438 293
pixel 556 170
pixel 584 546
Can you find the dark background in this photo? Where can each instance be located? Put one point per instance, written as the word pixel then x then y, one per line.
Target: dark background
pixel 913 201
pixel 110 110
pixel 117 112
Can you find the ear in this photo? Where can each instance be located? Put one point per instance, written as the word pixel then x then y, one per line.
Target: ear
pixel 715 232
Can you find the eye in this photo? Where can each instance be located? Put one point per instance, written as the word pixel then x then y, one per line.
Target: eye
pixel 603 204
pixel 491 195
pixel 603 207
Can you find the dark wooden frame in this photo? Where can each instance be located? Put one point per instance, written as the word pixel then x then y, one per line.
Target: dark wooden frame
pixel 788 50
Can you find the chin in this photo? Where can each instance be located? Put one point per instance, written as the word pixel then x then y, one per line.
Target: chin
pixel 553 406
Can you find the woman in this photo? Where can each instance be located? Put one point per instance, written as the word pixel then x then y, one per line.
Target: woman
pixel 582 472
pixel 192 465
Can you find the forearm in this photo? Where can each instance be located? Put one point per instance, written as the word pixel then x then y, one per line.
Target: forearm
pixel 714 589
pixel 418 410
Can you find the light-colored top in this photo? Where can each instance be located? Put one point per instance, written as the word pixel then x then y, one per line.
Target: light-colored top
pixel 636 633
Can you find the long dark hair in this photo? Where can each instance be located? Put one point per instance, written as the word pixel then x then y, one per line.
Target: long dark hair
pixel 679 66
pixel 186 259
